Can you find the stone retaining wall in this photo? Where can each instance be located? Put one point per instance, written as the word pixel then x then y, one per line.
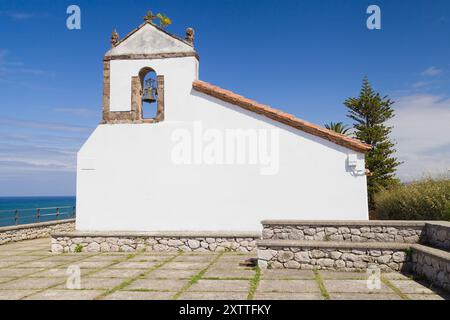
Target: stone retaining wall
pixel 432 264
pixel 350 231
pixel 282 254
pixel 437 234
pixel 154 241
pixel 34 230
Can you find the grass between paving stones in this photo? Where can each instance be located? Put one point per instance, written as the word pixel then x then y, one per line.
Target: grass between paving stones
pixel 74 263
pixel 227 278
pixel 194 279
pixel 39 269
pixel 319 280
pixel 254 283
pixel 144 273
pixel 394 288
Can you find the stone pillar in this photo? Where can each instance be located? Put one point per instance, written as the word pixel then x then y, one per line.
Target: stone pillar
pixel 136 99
pixel 106 90
pixel 160 108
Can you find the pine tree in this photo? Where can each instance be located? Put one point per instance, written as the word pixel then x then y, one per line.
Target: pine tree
pixel 370 111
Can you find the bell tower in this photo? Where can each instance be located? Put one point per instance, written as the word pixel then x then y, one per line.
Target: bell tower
pixel 145 73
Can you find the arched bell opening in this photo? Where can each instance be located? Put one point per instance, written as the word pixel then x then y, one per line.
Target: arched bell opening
pixel 149 93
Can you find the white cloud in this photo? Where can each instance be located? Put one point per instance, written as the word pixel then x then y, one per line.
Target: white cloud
pixel 419 84
pixel 53 126
pixel 80 112
pixel 13 71
pixel 431 71
pixel 422 131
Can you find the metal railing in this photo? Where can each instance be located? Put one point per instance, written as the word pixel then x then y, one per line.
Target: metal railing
pixel 35 215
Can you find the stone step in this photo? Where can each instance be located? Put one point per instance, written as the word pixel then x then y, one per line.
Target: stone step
pixel 332 255
pixel 430 263
pixel 432 233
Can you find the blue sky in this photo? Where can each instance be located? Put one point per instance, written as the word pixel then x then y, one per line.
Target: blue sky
pixel 305 57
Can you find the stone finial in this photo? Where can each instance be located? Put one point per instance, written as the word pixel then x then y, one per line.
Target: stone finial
pixel 114 38
pixel 190 35
pixel 149 17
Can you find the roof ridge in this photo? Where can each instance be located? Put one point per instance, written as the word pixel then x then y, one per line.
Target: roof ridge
pixel 280 116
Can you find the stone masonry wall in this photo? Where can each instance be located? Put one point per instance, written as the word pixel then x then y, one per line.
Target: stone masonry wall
pixel 115 243
pixel 432 264
pixel 34 230
pixel 351 233
pixel 332 258
pixel 437 234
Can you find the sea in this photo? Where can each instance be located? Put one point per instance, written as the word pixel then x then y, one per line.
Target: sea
pixel 24 210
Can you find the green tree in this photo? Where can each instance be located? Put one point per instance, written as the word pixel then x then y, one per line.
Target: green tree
pixel 338 127
pixel 370 111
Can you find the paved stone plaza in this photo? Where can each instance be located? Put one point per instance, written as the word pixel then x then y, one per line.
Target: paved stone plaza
pixel 29 271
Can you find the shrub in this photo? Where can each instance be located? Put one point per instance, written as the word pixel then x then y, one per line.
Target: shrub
pixel 428 199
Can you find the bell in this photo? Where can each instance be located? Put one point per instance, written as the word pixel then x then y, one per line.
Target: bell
pixel 149 95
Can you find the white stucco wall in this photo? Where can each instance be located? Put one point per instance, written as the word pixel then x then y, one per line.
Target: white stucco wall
pixel 127 179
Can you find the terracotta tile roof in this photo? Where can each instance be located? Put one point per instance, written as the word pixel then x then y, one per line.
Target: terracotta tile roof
pixel 280 116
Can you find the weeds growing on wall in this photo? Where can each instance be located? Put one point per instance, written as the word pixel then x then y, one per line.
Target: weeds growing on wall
pixel 427 199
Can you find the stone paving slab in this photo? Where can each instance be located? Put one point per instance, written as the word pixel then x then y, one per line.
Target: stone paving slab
pixel 101 258
pixel 410 286
pixel 14 272
pixel 343 275
pixel 194 258
pixel 95 283
pixel 38 264
pixel 353 286
pixel 163 273
pixel 6 279
pixel 425 297
pixel 397 276
pixel 17 258
pixel 31 283
pixel 221 285
pixel 190 295
pixel 229 273
pixel 149 258
pixel 288 286
pixel 186 265
pixel 8 253
pixel 117 273
pixel 364 296
pixel 15 294
pixel 157 253
pixel 6 264
pixel 228 265
pixel 286 274
pixel 140 295
pixel 53 294
pixel 157 285
pixel 29 271
pixel 92 264
pixel 287 296
pixel 135 265
pixel 61 258
pixel 235 258
pixel 55 272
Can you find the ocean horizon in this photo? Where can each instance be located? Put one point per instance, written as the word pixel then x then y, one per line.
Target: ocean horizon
pixel 27 206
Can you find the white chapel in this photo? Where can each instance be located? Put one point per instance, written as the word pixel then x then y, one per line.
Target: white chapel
pixel 175 153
